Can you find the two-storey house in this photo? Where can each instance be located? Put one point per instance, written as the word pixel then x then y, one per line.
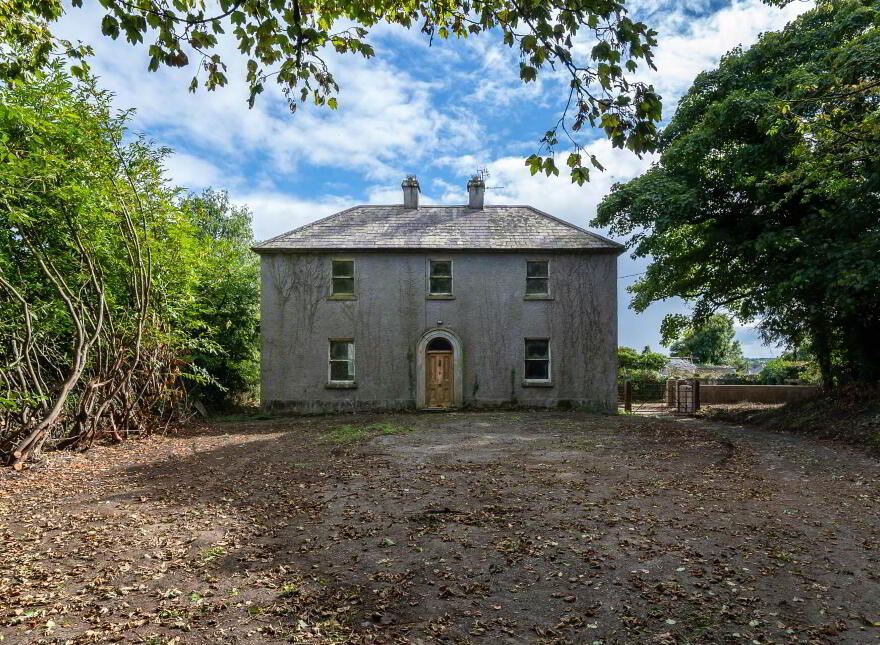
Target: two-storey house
pixel 410 306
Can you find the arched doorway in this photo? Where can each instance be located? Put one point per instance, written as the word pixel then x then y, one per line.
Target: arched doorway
pixel 439 371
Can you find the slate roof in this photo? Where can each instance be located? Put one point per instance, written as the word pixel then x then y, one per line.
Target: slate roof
pixel 679 366
pixel 439 227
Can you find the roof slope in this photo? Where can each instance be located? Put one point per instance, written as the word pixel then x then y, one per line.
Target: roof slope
pixel 676 365
pixel 439 227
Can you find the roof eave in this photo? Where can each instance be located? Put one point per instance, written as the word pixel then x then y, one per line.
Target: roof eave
pixel 617 249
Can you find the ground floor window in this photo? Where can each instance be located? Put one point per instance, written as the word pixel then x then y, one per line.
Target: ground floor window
pixel 537 361
pixel 341 360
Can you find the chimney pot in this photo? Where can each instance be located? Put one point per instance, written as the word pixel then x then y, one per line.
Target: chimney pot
pixel 476 189
pixel 411 191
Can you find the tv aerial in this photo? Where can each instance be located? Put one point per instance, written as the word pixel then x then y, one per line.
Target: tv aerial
pixel 484 175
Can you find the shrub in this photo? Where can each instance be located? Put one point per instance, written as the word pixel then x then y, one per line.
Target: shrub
pixel 778 371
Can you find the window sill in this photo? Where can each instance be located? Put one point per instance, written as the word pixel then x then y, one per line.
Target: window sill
pixel 529 383
pixel 439 296
pixel 342 297
pixel 538 296
pixel 341 385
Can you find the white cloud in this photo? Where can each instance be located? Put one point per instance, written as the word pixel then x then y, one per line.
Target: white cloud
pixel 276 212
pixel 689 45
pixel 752 344
pixel 557 195
pixel 386 120
pixel 193 173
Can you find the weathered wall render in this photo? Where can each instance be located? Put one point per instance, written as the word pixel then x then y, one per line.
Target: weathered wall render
pixel 391 313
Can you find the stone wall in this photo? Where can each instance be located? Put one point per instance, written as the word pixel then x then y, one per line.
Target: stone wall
pixel 710 394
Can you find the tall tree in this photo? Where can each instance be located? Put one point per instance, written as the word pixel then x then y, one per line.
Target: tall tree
pixel 713 342
pixel 287 41
pixel 226 303
pixel 766 197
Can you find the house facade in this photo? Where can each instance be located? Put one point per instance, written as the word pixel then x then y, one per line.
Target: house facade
pixel 402 306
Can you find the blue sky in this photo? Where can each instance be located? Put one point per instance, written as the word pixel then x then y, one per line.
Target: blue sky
pixel 440 112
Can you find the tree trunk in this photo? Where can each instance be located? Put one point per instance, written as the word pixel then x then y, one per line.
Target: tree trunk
pixel 822 347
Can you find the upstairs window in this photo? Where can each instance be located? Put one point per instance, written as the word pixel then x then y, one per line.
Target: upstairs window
pixel 537 278
pixel 440 278
pixel 343 278
pixel 342 361
pixel 537 367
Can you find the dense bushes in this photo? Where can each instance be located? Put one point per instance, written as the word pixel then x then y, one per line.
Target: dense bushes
pixel 118 298
pixel 227 298
pixel 639 366
pixel 780 371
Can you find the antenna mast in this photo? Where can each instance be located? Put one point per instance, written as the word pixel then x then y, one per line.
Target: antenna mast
pixel 484 175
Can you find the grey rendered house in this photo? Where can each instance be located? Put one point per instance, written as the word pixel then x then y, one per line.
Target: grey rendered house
pixel 409 306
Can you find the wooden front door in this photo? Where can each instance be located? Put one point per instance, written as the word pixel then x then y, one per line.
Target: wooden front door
pixel 438 380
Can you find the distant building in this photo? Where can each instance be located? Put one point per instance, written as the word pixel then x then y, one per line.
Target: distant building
pixel 715 370
pixel 756 365
pixel 679 366
pixel 686 368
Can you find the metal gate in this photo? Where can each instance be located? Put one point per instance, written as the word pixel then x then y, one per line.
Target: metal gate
pixel 683 395
pixel 642 396
pixel 684 401
pixel 659 397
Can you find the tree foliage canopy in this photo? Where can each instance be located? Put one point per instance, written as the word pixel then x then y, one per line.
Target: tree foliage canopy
pixel 289 42
pixel 780 371
pixel 630 360
pixel 226 294
pixel 766 197
pixel 711 343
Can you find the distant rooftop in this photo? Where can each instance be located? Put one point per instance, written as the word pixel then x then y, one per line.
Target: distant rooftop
pixel 679 365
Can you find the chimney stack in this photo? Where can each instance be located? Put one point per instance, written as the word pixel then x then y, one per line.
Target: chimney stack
pixel 411 191
pixel 476 189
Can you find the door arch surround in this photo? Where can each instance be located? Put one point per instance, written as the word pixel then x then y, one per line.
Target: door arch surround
pixel 421 366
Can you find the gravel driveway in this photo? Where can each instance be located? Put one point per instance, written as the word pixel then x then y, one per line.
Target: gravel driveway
pixel 513 527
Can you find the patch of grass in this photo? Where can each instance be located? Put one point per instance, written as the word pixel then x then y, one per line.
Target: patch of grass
pixel 289 589
pixel 348 433
pixel 170 613
pixel 697 626
pixel 591 409
pixel 212 554
pixel 260 416
pixel 345 434
pixel 154 640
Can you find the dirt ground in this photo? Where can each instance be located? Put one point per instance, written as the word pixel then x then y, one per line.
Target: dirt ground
pixel 515 527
